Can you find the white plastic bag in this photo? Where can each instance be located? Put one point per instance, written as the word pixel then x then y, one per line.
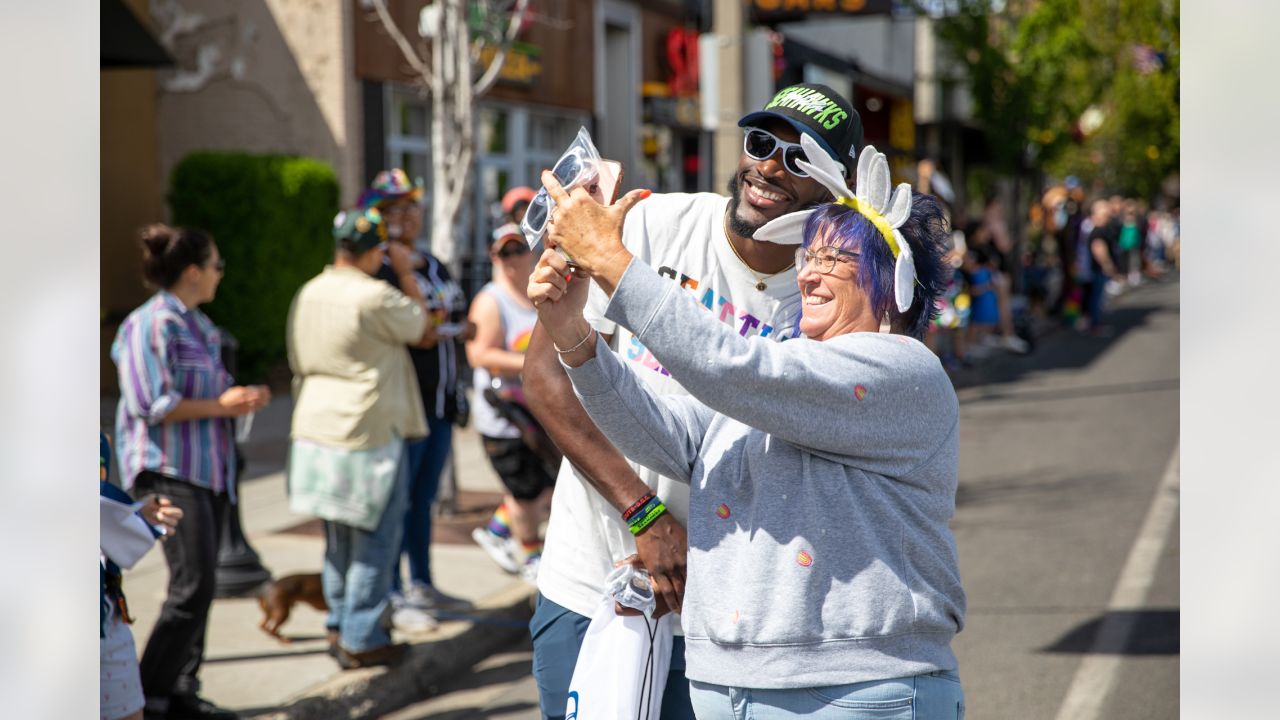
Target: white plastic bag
pixel 123 536
pixel 623 664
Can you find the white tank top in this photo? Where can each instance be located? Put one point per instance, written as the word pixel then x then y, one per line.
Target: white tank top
pixel 517 328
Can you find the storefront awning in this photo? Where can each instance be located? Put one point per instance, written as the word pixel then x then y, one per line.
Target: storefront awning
pixel 126 42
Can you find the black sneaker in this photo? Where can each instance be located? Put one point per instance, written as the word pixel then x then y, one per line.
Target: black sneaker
pixel 194 707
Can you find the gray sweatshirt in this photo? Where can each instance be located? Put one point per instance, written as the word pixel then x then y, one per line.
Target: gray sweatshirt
pixel 823 477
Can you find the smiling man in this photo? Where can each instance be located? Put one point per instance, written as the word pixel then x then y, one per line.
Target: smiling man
pixel 703 242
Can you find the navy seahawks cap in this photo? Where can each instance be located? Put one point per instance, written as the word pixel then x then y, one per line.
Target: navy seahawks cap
pixel 820 112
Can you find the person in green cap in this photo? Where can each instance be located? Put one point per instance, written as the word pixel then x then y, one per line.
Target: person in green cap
pixel 356 403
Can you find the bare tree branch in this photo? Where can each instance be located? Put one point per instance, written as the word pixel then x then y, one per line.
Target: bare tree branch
pixel 411 57
pixel 490 75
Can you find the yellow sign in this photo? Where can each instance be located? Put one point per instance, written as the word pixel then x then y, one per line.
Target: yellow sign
pixel 816 6
pixel 518 66
pixel 902 124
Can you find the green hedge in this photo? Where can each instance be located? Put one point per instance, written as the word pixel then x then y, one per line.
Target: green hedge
pixel 272 218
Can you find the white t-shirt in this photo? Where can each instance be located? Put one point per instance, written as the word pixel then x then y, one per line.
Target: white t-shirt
pixel 682 237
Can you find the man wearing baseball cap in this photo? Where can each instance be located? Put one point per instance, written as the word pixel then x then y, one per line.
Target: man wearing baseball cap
pixel 416 603
pixel 504 319
pixel 357 404
pixel 515 201
pixel 704 243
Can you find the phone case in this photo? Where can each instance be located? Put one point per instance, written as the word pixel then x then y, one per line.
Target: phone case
pixel 609 182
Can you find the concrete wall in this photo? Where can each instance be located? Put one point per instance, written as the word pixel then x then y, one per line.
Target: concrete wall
pixel 131 192
pixel 271 76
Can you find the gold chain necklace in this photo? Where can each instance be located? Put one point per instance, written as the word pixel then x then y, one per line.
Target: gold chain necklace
pixel 760 279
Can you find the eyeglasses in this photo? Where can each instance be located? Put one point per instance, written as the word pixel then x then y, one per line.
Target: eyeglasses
pixel 513 249
pixel 761 145
pixel 825 258
pixel 400 208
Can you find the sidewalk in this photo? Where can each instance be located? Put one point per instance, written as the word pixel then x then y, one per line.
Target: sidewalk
pixel 247 670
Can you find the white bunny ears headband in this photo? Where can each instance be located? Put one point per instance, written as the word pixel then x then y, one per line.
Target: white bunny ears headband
pixel 873 201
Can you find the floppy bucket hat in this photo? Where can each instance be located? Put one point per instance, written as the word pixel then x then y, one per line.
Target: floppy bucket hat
pixel 391 185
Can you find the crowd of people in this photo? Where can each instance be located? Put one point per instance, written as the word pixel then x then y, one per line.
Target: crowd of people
pixel 1077 254
pixel 771 518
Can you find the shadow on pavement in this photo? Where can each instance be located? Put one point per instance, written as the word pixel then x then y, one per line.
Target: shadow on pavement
pixel 475 713
pixel 1063 348
pixel 493 675
pixel 1154 632
pixel 283 655
pixel 1050 486
pixel 1073 393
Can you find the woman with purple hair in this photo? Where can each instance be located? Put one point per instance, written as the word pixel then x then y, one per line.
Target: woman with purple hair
pixel 822 577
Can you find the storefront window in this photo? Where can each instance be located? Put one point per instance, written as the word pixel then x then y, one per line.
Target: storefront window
pixel 514 145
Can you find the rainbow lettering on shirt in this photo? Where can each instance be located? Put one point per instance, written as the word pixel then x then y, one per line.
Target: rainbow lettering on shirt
pixel 744 322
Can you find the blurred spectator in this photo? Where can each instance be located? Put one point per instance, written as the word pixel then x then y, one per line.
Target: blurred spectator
pixel 1102 268
pixel 1129 244
pixel 356 404
pixel 437 369
pixel 946 336
pixel 515 202
pixel 119 545
pixel 504 319
pixel 175 440
pixel 992 240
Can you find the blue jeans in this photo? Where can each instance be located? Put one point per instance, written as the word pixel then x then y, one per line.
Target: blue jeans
pixel 426 459
pixel 557 637
pixel 933 696
pixel 357 573
pixel 1097 296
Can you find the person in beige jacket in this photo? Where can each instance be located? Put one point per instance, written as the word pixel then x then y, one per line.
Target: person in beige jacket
pixel 356 401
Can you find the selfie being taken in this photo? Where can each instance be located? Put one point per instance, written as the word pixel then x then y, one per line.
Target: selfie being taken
pixel 603 359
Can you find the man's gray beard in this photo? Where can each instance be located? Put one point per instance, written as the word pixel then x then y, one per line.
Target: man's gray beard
pixel 737 225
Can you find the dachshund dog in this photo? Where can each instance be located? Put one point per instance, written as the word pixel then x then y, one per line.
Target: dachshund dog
pixel 278 597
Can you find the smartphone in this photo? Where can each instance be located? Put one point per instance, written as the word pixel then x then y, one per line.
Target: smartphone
pixel 604 190
pixel 608 183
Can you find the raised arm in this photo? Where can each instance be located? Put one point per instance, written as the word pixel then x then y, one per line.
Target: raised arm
pixel 869 395
pixel 663 547
pixel 662 433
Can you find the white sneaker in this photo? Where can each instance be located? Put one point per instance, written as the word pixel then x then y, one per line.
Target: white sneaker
pixel 499 548
pixel 529 571
pixel 1015 344
pixel 411 619
pixel 425 597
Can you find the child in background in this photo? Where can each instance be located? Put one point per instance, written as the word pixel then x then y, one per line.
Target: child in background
pixel 947 331
pixel 119 684
pixel 985 309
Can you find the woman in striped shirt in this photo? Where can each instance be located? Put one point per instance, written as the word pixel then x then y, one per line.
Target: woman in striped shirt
pixel 174 437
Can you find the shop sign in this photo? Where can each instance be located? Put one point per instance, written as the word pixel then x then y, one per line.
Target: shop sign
pixel 902 124
pixel 775 10
pixel 682 55
pixel 522 65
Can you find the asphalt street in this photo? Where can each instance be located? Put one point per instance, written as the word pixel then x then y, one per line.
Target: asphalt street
pixel 1067 527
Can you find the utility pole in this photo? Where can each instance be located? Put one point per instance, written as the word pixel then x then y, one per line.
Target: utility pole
pixel 728 24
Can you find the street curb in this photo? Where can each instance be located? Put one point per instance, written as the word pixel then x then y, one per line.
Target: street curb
pixel 452 648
